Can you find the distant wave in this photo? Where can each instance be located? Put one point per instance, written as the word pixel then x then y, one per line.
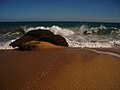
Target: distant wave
pixel 94 37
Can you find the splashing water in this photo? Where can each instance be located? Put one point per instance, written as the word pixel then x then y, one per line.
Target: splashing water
pixel 94 37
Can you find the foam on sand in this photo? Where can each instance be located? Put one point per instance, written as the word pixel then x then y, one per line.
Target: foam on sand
pixel 104 52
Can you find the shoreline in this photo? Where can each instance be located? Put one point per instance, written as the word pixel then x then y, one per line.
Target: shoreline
pixel 111 49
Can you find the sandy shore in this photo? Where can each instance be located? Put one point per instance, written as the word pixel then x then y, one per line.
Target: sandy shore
pixel 113 50
pixel 58 69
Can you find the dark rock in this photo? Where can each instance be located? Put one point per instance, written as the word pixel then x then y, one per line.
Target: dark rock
pixel 39 35
pixel 60 40
pixel 22 40
pixel 30 45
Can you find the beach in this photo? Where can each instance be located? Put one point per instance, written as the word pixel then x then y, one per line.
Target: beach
pixel 59 45
pixel 59 68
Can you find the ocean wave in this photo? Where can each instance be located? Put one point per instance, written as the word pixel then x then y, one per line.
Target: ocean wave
pixel 84 36
pixel 6 39
pixel 54 29
pixel 17 30
pixel 5 45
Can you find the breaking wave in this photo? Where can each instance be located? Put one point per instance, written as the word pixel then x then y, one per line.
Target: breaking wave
pixel 93 37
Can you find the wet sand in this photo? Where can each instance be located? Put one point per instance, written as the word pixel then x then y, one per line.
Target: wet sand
pixel 113 50
pixel 58 69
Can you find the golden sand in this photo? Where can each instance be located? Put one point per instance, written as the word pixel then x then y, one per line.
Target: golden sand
pixel 45 45
pixel 58 69
pixel 36 45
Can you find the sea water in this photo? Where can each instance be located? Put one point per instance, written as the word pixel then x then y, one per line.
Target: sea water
pixel 77 34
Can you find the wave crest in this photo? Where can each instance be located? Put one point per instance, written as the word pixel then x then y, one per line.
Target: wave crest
pixel 84 36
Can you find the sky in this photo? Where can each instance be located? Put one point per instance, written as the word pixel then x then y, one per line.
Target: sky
pixel 60 10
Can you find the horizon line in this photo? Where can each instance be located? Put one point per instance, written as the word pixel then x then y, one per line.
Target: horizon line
pixel 61 21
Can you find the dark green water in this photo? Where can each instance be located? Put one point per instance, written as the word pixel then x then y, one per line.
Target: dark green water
pixel 14 25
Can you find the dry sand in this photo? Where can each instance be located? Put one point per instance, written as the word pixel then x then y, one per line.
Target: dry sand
pixel 58 69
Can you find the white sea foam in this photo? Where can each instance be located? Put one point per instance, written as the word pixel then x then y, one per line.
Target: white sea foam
pixel 54 29
pixel 5 45
pixel 75 38
pixel 107 53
